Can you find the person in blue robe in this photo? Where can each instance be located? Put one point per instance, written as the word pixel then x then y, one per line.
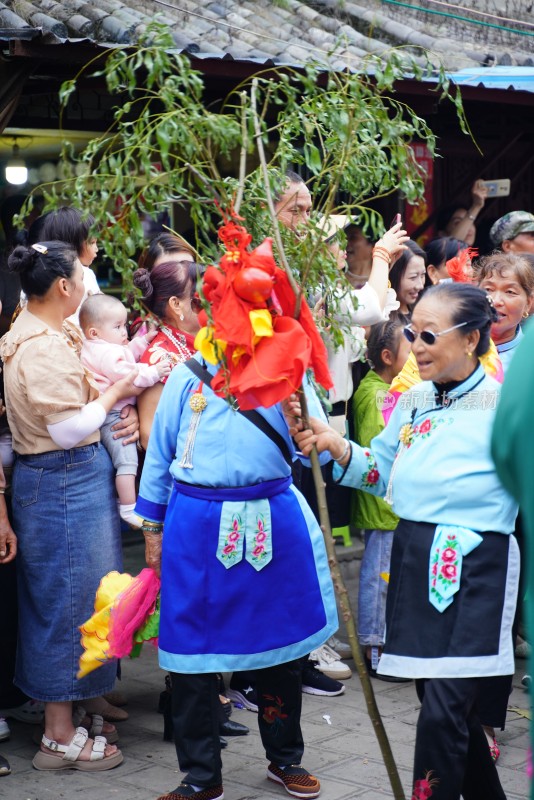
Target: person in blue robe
pixel 245 582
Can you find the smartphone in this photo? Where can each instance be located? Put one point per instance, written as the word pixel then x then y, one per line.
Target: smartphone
pixel 395 221
pixel 498 188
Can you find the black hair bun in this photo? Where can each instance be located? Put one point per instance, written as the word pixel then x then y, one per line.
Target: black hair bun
pixel 21 259
pixel 141 279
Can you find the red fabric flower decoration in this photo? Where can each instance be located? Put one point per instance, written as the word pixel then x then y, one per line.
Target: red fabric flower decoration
pixel 459 267
pixel 259 371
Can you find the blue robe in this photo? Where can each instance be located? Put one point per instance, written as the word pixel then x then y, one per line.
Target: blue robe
pixel 245 578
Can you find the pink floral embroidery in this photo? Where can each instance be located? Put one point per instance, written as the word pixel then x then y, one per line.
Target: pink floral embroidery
pixel 422 788
pixel 449 571
pixel 444 566
pixel 425 426
pixel 371 477
pixel 259 543
pixel 229 550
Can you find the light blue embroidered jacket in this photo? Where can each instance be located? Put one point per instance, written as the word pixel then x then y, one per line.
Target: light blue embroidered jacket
pixel 229 450
pixel 506 350
pixel 446 474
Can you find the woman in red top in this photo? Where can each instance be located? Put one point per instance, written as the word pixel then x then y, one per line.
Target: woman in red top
pixel 168 285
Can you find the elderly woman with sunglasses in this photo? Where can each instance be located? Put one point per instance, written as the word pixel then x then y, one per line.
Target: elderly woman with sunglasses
pixel 455 560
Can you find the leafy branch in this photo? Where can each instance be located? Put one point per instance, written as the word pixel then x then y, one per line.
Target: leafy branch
pixel 165 148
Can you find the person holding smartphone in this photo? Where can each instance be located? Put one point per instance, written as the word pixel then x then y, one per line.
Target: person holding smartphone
pixel 459 222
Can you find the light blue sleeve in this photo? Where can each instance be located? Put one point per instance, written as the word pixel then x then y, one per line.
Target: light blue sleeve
pixel 370 467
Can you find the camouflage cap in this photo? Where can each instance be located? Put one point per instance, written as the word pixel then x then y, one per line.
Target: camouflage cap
pixel 511 225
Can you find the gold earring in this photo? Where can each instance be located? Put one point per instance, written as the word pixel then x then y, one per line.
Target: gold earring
pixel 469 354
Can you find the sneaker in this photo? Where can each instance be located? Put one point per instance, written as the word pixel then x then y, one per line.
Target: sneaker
pixel 5 769
pixel 185 791
pixel 296 780
pixel 342 649
pixel 329 663
pixel 31 712
pixel 243 695
pixel 5 733
pixel 526 681
pixel 315 682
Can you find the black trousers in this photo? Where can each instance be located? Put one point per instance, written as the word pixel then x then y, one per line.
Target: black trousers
pixel 451 744
pixel 196 716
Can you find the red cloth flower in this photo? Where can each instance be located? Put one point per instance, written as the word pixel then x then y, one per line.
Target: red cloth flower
pixel 459 267
pixel 265 371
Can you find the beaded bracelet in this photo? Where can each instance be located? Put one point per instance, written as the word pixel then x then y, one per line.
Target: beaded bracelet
pixel 152 527
pixel 344 453
pixel 382 253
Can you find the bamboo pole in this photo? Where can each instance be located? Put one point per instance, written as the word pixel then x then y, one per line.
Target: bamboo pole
pixel 243 154
pixel 324 519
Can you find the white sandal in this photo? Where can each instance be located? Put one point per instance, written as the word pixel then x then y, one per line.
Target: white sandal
pixel 96 725
pixel 70 760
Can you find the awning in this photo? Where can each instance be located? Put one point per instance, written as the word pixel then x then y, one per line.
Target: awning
pixel 520 79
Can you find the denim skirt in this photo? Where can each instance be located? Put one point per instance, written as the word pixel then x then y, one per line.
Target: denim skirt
pixel 65 516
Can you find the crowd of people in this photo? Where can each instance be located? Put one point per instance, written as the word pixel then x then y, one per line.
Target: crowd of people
pixel 96 401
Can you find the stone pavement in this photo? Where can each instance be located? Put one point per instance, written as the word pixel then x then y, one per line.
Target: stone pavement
pixel 344 754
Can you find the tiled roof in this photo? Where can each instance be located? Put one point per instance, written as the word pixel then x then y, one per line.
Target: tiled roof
pixel 285 31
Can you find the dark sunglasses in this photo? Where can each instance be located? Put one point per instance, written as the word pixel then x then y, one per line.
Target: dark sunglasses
pixel 428 337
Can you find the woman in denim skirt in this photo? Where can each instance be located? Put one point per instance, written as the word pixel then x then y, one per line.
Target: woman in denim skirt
pixel 64 507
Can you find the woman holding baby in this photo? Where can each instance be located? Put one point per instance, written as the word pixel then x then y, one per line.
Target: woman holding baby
pixel 64 505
